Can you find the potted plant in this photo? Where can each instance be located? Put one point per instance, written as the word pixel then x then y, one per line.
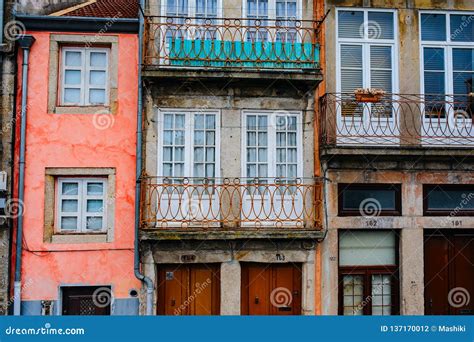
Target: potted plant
pixel 368 95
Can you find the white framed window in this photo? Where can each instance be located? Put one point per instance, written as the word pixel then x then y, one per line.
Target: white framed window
pixel 192 8
pixel 275 13
pixel 84 76
pixel 366 50
pixel 272 145
pixel 189 144
pixel 447 60
pixel 81 205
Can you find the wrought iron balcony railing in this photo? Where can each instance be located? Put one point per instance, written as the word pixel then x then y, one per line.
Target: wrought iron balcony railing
pixel 217 43
pixel 396 119
pixel 232 204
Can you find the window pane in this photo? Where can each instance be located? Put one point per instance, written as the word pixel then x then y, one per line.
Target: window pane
pixel 353 294
pixel 367 248
pixel 72 77
pixel 433 27
pixel 462 28
pixel 381 67
pixel 463 71
pixel 68 223
pixel 381 294
pixel 97 78
pixel 73 58
pixel 97 96
pixel 351 24
pixel 95 188
pixel 433 59
pixel 449 199
pixel 351 67
pixel 95 206
pixel 210 121
pixel 434 70
pixel 359 198
pixel 69 206
pixel 380 25
pixel 94 223
pixel 70 189
pixel 98 59
pixel 72 95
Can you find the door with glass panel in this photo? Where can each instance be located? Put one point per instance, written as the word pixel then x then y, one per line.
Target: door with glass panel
pixel 448 72
pixel 366 46
pixel 272 167
pixel 188 167
pixel 368 278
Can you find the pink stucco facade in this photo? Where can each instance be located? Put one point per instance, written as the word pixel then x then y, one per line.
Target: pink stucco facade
pixel 74 141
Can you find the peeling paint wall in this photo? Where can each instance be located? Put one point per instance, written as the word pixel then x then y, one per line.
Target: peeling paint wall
pixel 79 141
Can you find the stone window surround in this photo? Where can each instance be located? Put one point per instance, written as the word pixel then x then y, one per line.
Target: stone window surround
pixel 50 233
pixel 56 40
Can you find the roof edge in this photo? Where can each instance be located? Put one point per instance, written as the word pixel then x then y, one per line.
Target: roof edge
pixel 79 24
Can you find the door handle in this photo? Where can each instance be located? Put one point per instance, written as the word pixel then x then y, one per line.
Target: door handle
pixel 257 300
pixel 173 302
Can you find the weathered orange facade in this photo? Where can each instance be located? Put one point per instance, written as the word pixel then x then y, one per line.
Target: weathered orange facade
pixel 73 144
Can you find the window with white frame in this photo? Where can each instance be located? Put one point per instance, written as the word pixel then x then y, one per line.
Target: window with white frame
pixel 81 205
pixel 84 76
pixel 447 43
pixel 272 145
pixel 283 14
pixel 189 144
pixel 366 45
pixel 204 12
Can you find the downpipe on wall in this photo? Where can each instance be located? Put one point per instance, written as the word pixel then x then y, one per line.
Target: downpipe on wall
pixel 25 42
pixel 146 280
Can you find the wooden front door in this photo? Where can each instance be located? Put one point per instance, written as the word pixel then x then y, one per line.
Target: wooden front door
pixel 86 300
pixel 271 289
pixel 189 289
pixel 449 273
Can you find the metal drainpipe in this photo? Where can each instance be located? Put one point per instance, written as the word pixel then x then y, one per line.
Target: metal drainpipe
pixel 2 4
pixel 25 43
pixel 146 280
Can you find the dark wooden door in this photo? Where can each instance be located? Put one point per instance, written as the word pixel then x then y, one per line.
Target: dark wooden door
pixel 189 289
pixel 86 300
pixel 449 272
pixel 271 289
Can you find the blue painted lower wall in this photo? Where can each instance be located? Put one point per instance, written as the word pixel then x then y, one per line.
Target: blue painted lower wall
pixel 120 307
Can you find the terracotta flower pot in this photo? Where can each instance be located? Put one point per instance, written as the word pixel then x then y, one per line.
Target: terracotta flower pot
pixel 368 97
